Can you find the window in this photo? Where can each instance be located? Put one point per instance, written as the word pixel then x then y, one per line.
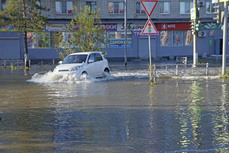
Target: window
pixel 176 38
pixel 63 7
pixel 185 7
pixel 32 39
pixel 116 7
pixel 98 57
pixel 209 7
pixel 43 40
pixel 164 7
pixel 119 34
pixel 92 6
pixel 3 4
pixel 139 8
pixel 188 38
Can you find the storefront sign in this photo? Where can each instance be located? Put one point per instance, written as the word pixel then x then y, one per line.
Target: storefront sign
pixel 173 26
pixel 130 27
pixel 7 27
pixel 138 34
pixel 120 43
pixel 63 27
pixel 56 27
pixel 212 26
pixel 111 27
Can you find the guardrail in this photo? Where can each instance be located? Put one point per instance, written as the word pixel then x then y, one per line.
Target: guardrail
pixel 180 70
pixel 20 63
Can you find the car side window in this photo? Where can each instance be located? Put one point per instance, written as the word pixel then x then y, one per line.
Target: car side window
pixel 92 58
pixel 98 57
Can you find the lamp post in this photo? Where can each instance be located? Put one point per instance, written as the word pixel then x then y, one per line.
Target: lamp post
pixel 125 25
pixel 224 39
pixel 195 53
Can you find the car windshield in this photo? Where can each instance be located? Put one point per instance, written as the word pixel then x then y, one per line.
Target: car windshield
pixel 75 59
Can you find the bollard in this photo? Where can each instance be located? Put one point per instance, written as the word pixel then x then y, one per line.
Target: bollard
pixel 29 63
pixel 4 64
pixel 193 66
pixel 207 69
pixel 53 62
pixel 150 74
pixel 176 69
pixel 154 73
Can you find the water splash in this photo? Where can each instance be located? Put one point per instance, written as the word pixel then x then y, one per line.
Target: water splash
pixel 51 77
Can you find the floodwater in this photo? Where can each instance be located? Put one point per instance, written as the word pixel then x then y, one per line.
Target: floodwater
pixel 121 113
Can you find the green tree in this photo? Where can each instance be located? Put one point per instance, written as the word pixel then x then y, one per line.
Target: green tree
pixel 88 33
pixel 25 16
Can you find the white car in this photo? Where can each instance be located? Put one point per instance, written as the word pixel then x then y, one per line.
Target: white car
pixel 84 63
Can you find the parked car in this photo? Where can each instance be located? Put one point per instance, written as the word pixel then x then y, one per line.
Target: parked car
pixel 84 63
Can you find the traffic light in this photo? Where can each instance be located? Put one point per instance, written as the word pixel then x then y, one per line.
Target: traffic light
pixel 193 28
pixel 197 27
pixel 217 13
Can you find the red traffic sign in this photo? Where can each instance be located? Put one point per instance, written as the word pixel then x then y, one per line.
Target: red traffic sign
pixel 149 28
pixel 149 6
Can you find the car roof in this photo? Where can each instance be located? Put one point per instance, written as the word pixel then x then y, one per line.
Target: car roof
pixel 85 53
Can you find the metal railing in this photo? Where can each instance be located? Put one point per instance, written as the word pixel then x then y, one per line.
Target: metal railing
pixel 181 70
pixel 20 63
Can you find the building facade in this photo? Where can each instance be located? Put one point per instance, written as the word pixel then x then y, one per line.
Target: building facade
pixel 171 18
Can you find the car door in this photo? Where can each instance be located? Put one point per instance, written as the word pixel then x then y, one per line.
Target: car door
pixel 91 65
pixel 99 64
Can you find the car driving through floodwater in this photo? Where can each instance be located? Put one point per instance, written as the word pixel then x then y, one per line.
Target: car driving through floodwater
pixel 84 63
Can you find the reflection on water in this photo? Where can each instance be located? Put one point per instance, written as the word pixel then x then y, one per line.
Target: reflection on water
pixel 122 114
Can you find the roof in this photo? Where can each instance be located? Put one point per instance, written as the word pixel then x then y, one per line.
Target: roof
pixel 86 53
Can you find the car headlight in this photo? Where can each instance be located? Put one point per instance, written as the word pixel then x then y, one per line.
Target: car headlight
pixel 75 68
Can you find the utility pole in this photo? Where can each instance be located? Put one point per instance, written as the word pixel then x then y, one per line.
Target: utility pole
pixel 195 53
pixel 125 25
pixel 224 39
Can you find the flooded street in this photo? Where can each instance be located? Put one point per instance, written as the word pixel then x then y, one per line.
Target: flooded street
pixel 121 113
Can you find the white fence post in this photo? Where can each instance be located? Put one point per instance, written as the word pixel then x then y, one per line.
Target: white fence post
pixel 207 69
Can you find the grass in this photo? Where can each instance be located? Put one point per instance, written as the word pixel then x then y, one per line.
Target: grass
pixel 226 75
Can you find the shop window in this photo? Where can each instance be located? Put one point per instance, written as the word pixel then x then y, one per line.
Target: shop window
pixel 3 4
pixel 116 7
pixel 185 7
pixel 166 38
pixel 63 7
pixel 164 7
pixel 176 38
pixel 92 6
pixel 43 40
pixel 188 38
pixel 32 39
pixel 139 8
pixel 119 34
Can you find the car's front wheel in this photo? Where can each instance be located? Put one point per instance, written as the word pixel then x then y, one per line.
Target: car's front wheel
pixel 84 75
pixel 106 72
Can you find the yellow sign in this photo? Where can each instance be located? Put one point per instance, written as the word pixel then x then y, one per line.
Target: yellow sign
pixel 193 14
pixel 223 0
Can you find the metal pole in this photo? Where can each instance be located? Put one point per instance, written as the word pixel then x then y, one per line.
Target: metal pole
pixel 195 53
pixel 150 61
pixel 224 39
pixel 125 24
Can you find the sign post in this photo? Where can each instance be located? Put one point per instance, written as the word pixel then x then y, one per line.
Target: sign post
pixel 149 29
